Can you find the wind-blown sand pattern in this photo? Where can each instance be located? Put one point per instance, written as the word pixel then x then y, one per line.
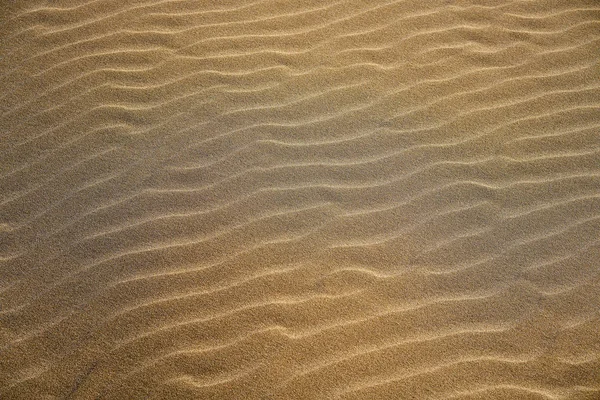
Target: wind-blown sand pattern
pixel 299 199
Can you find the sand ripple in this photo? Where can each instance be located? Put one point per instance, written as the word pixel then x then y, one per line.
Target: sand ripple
pixel 299 199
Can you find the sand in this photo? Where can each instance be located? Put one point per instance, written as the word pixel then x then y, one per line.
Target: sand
pixel 299 199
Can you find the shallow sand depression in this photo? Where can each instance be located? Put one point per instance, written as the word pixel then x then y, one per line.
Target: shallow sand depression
pixel 299 199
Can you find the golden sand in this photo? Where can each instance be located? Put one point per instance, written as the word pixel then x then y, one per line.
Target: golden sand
pixel 373 199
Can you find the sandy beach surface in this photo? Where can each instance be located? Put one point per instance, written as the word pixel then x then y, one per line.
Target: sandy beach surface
pixel 276 199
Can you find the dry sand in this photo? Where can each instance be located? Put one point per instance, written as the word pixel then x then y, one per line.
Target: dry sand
pixel 299 199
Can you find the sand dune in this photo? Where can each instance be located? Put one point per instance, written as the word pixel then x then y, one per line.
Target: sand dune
pixel 299 199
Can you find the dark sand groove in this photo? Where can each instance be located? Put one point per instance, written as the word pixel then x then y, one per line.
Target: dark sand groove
pixel 299 199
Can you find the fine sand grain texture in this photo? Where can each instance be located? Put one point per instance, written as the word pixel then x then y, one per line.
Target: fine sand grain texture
pixel 277 199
